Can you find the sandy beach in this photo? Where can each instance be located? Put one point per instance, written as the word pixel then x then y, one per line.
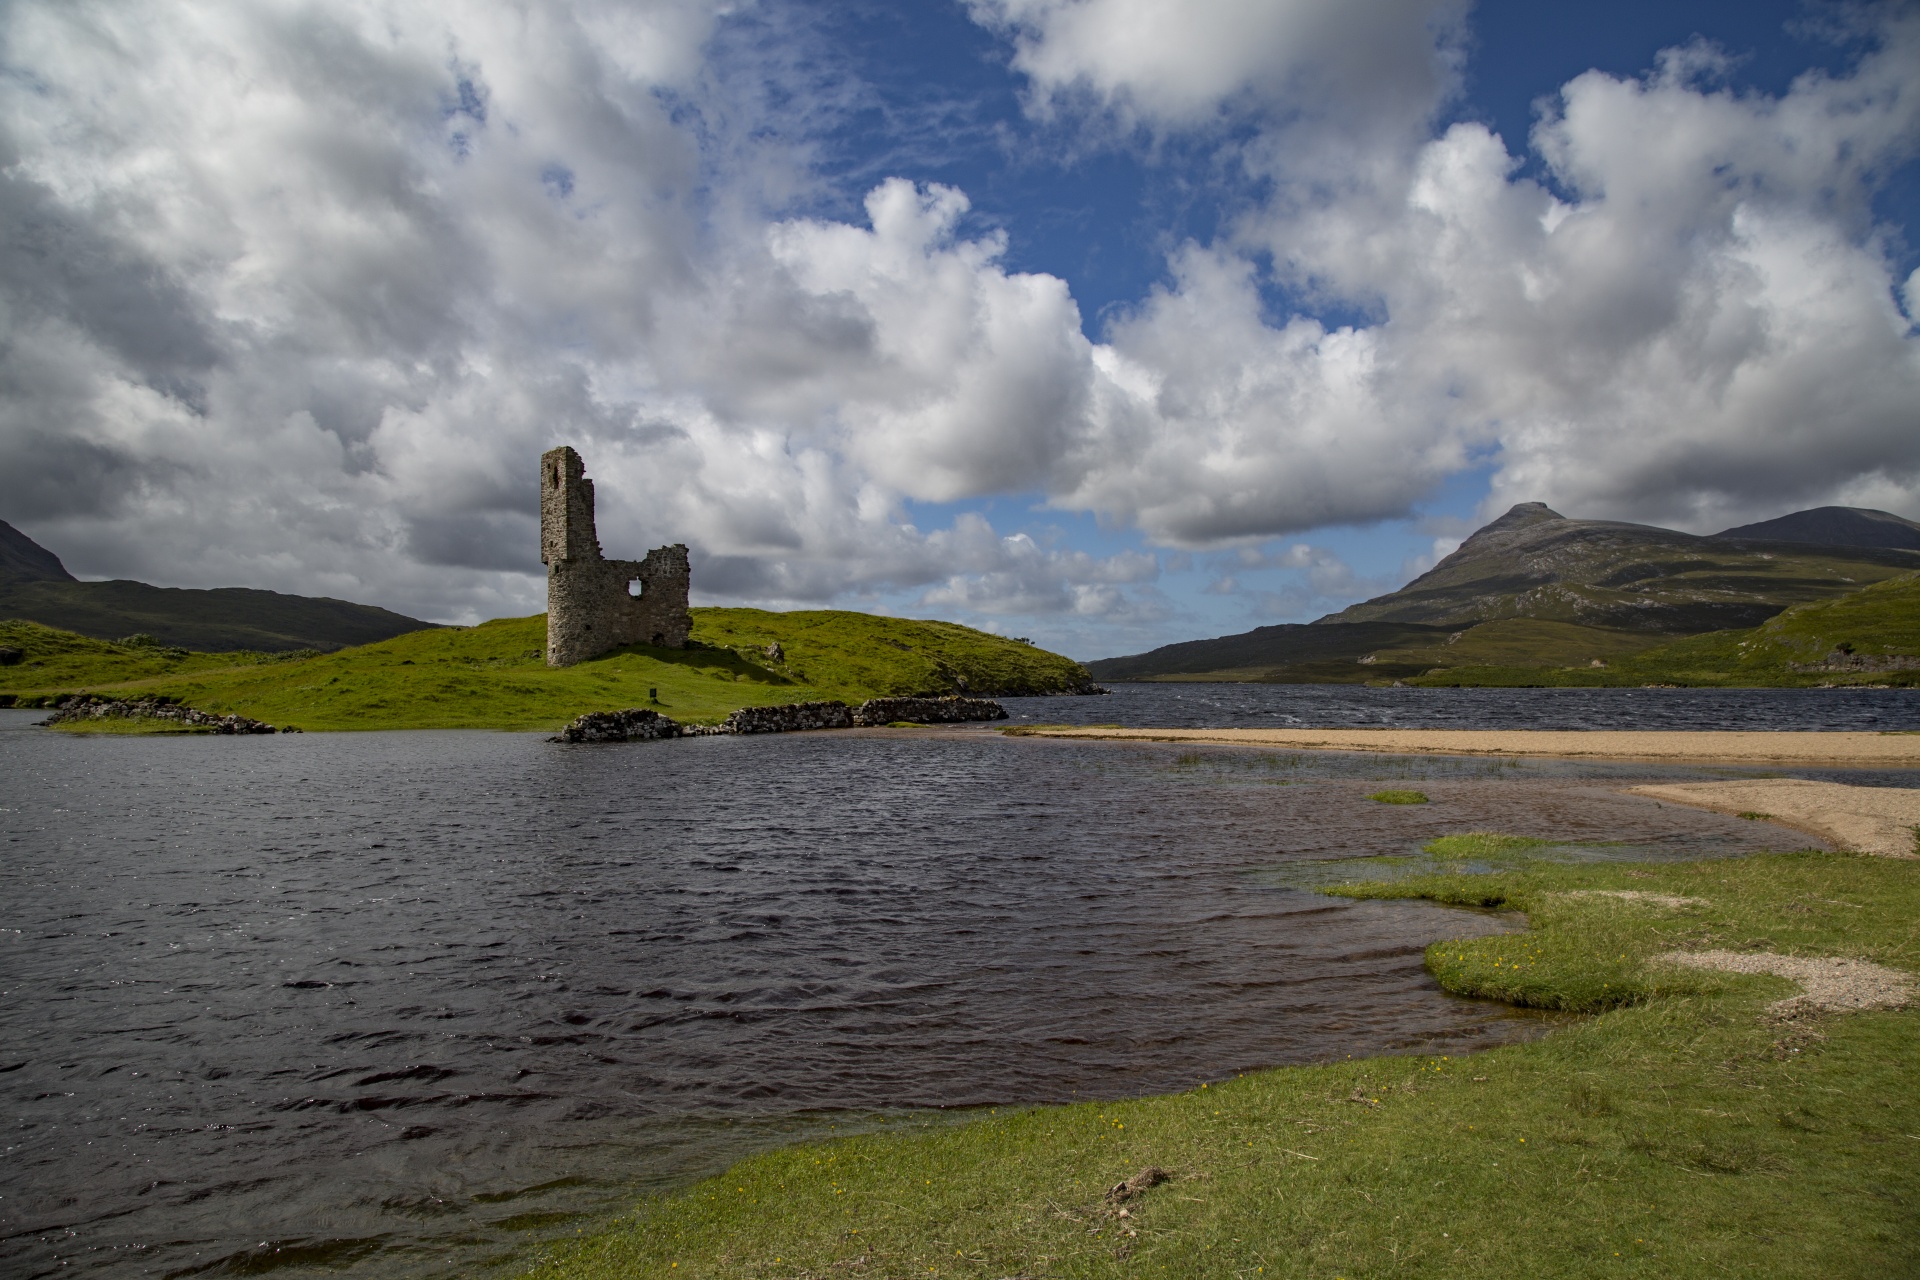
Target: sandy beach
pixel 1877 820
pixel 1836 750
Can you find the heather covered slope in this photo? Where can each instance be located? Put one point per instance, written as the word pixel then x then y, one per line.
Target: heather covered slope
pixel 1835 527
pixel 225 618
pixel 36 587
pixel 1868 637
pixel 1535 563
pixel 493 676
pixel 1289 653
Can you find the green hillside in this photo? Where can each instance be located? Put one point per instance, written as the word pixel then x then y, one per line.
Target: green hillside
pixel 1372 652
pixel 227 618
pixel 1534 589
pixel 1859 639
pixel 493 676
pixel 1533 562
pixel 1288 653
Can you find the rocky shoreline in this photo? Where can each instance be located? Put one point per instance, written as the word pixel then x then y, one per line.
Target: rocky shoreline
pixel 639 724
pixel 89 706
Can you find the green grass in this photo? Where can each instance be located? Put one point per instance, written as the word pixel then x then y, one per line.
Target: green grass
pixel 1877 621
pixel 1673 1130
pixel 1399 797
pixel 1481 845
pixel 1527 643
pixel 493 677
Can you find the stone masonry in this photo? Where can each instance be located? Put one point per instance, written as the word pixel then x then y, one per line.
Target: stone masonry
pixel 591 604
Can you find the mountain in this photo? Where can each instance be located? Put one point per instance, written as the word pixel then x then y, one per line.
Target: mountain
pixel 1533 562
pixel 36 587
pixel 1291 653
pixel 1536 588
pixel 24 560
pixel 1835 527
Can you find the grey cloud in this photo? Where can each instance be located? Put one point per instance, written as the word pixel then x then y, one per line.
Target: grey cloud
pixel 504 541
pixel 55 266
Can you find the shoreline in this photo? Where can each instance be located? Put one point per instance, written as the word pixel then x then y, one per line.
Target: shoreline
pixel 1891 749
pixel 1615 1135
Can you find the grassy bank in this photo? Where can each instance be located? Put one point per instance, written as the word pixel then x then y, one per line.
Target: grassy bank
pixel 493 676
pixel 1677 1130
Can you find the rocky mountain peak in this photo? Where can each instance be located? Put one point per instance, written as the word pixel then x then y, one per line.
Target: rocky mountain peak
pixel 24 560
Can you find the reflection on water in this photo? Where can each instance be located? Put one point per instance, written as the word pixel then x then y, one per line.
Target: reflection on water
pixel 402 1003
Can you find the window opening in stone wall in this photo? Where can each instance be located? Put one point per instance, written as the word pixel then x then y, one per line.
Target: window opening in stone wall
pixel 636 588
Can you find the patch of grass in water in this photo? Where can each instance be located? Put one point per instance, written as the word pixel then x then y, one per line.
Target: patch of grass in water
pixel 1482 844
pixel 1400 797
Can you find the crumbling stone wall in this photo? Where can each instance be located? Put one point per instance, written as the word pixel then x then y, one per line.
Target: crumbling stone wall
pixel 590 605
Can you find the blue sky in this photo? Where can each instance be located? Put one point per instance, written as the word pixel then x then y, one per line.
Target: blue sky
pixel 1104 322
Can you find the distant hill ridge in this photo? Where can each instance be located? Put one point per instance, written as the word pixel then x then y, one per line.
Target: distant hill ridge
pixel 36 587
pixel 1560 588
pixel 1835 527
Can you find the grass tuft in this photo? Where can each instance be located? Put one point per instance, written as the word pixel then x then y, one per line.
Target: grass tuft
pixel 1399 797
pixel 1481 844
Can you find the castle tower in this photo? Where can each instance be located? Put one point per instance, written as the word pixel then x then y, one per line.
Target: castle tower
pixel 595 604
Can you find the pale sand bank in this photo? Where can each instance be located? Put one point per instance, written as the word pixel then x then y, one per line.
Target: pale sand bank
pixel 1672 901
pixel 1879 820
pixel 1839 750
pixel 1827 984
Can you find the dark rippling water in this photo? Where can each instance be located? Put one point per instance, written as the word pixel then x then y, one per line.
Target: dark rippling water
pixel 1345 706
pixel 403 1004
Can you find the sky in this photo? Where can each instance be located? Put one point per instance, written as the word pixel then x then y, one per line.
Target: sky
pixel 1106 323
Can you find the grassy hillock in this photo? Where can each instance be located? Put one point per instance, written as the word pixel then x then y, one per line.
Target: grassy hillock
pixel 493 676
pixel 1826 642
pixel 1678 1130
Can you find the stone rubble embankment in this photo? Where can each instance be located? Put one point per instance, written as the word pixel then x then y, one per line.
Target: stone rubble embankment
pixel 639 724
pixel 636 724
pixel 88 706
pixel 883 711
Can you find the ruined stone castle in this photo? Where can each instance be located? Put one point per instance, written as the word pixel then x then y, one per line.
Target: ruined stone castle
pixel 595 604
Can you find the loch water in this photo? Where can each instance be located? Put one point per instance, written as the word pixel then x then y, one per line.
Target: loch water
pixel 412 1003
